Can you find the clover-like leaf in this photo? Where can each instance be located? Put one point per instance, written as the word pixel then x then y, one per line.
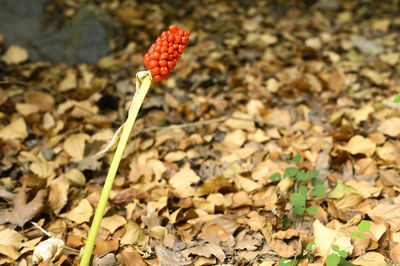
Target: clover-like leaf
pixel 298 199
pixel 297 158
pixel 364 226
pixel 290 172
pixel 332 260
pixel 318 190
pixel 299 210
pixel 275 177
pixel 312 210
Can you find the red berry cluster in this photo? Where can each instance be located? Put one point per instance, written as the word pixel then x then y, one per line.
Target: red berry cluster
pixel 163 55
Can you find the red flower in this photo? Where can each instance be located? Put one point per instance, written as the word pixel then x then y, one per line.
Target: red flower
pixel 163 55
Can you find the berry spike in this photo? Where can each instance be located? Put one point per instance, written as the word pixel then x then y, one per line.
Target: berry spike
pixel 165 52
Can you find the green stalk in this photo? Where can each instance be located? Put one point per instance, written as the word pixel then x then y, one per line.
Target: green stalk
pixel 140 94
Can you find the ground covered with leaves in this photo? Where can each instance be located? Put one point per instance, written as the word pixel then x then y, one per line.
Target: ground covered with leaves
pixel 274 142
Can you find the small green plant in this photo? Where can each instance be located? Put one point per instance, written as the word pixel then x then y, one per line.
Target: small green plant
pixel 397 98
pixel 299 197
pixel 307 253
pixel 337 257
pixel 363 227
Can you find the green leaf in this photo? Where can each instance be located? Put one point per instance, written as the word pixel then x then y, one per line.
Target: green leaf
pixel 301 176
pixel 354 234
pixel 361 235
pixel 317 181
pixel 310 246
pixel 343 254
pixel 332 260
pixel 298 199
pixel 275 177
pixel 340 189
pixel 297 158
pixel 318 190
pixel 335 248
pixel 288 262
pixel 299 210
pixel 312 210
pixel 303 190
pixel 397 98
pixel 364 226
pixel 313 173
pixel 290 172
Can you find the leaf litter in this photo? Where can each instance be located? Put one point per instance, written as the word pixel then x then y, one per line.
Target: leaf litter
pixel 194 184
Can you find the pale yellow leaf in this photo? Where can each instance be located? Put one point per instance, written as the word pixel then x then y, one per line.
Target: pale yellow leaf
pixel 360 145
pixel 15 130
pixel 15 54
pixel 81 213
pixel 74 145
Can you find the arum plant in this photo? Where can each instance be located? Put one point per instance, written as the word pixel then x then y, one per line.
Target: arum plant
pixel 161 60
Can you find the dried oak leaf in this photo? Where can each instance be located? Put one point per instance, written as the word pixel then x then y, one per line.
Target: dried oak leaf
pixel 286 243
pixel 24 211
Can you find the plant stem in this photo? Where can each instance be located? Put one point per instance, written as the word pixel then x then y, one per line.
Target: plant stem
pixel 126 131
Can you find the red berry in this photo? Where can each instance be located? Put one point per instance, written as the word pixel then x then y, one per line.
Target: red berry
pixel 163 55
pixel 158 78
pixel 178 39
pixel 173 28
pixel 155 71
pixel 153 64
pixel 154 55
pixel 163 70
pixel 171 65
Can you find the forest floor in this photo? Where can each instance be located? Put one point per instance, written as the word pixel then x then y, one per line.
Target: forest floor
pixel 275 139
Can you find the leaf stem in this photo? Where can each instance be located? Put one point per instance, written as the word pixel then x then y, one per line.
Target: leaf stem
pixel 137 102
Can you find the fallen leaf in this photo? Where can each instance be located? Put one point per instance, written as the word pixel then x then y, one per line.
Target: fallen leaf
pixel 371 259
pixel 15 55
pixel 22 210
pixel 386 213
pixel 390 126
pixel 74 145
pixel 15 130
pixel 207 250
pixel 358 144
pixel 10 243
pixel 133 235
pixel 58 195
pixel 81 213
pixel 112 223
pixel 168 257
pixel 324 239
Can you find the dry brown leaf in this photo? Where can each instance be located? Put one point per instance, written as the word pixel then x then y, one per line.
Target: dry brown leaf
pixel 74 145
pixel 133 235
pixel 386 214
pixel 168 257
pixel 10 243
pixel 130 257
pixel 24 211
pixel 102 247
pixel 371 259
pixel 390 126
pixel 325 237
pixel 15 130
pixel 112 223
pixel 81 213
pixel 206 250
pixel 15 55
pixel 358 144
pixel 58 195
